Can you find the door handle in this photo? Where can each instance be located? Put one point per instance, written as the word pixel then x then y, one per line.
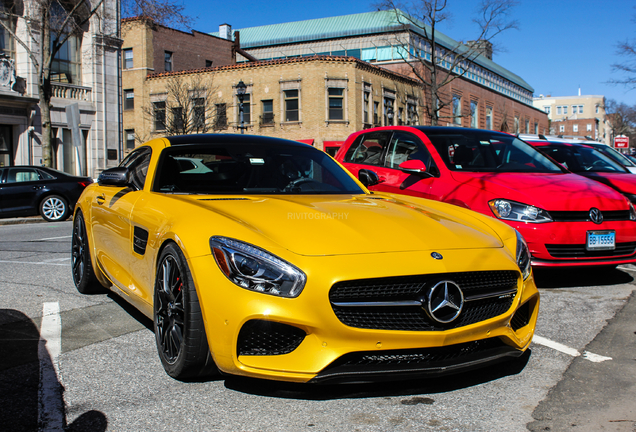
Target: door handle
pixel 100 199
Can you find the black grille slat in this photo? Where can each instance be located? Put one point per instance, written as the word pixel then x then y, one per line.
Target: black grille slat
pixel 259 337
pixel 579 250
pixel 414 318
pixel 584 216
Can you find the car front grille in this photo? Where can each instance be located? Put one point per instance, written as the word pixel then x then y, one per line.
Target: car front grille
pixel 584 216
pixel 397 303
pixel 260 337
pixel 579 251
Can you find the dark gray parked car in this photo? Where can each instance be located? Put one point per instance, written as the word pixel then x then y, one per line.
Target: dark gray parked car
pixel 34 190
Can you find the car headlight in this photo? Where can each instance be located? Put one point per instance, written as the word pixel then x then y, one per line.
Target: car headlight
pixel 630 197
pixel 632 211
pixel 514 211
pixel 255 269
pixel 523 256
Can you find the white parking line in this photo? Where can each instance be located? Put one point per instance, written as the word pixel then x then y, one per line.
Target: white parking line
pixel 569 351
pixel 51 406
pixel 51 238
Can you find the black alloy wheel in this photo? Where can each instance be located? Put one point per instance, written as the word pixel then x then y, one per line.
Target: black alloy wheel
pixel 179 329
pixel 83 273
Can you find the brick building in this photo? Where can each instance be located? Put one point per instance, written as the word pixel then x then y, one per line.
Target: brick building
pixel 487 96
pixel 150 48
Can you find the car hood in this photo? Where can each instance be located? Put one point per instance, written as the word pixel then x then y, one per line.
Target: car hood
pixel 562 192
pixel 623 182
pixel 337 225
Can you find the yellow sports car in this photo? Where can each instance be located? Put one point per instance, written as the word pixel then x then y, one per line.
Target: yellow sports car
pixel 265 258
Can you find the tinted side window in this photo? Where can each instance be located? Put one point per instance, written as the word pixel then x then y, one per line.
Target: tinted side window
pixel 137 163
pixel 368 149
pixel 17 175
pixel 405 147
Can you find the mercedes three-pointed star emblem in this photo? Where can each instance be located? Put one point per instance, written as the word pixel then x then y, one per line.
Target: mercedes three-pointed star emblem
pixel 445 301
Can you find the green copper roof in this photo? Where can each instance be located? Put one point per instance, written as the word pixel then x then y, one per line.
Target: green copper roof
pixel 352 25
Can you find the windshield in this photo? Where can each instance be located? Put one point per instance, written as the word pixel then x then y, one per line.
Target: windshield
pixel 251 169
pixel 616 155
pixel 580 159
pixel 483 151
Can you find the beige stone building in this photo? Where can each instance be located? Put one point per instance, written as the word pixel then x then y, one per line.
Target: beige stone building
pixel 581 117
pixel 319 100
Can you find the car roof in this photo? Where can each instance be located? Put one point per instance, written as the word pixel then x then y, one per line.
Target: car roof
pixel 179 140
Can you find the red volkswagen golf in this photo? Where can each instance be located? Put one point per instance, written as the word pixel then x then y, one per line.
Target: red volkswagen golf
pixel 567 220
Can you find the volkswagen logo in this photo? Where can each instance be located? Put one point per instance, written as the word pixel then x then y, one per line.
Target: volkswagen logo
pixel 445 302
pixel 437 255
pixel 596 216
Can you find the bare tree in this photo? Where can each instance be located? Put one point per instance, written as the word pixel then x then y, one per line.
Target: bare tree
pixel 622 119
pixel 627 50
pixel 434 65
pixel 50 24
pixel 189 106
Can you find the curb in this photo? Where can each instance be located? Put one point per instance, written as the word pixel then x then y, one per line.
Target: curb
pixel 17 221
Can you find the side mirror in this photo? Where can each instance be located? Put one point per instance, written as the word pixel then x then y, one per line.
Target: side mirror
pixel 114 177
pixel 415 166
pixel 368 177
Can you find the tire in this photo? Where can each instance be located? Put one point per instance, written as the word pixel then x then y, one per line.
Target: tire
pixel 179 330
pixel 81 265
pixel 54 208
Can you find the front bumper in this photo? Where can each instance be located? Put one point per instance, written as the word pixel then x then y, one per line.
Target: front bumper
pixel 562 244
pixel 328 350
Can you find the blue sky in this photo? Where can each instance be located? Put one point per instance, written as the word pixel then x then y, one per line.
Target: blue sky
pixel 560 45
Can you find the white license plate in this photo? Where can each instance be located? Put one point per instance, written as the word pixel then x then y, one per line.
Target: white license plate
pixel 601 240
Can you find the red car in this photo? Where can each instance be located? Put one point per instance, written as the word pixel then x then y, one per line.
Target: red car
pixel 588 161
pixel 567 220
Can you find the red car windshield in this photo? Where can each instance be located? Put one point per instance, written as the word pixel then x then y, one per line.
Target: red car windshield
pixel 482 151
pixel 580 159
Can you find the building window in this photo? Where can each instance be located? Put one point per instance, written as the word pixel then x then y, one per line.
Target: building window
pixel 247 109
pixel 376 116
pixel 527 126
pixel 411 112
pixel 130 139
pixel 208 63
pixel 65 67
pixel 291 106
pixel 596 109
pixel 489 118
pixel 575 128
pixel 268 112
pixel 177 120
pixel 365 106
pixel 474 114
pixel 577 109
pixel 546 109
pixel 561 128
pixel 457 109
pixel 128 58
pixel 516 124
pixel 389 111
pixel 588 127
pixel 129 99
pixel 159 109
pixel 336 103
pixel 221 117
pixel 559 110
pixel 6 40
pixel 565 110
pixel 198 113
pixel 167 61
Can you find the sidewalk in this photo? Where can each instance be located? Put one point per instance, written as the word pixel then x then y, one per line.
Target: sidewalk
pixel 22 220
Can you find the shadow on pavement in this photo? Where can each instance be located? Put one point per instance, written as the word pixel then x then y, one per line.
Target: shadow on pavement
pixel 20 378
pixel 580 277
pixel 441 384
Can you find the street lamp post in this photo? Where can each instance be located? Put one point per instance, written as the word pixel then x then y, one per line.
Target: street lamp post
pixel 240 93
